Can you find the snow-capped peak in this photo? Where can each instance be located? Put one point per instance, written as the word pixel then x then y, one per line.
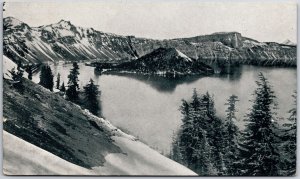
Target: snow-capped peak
pixel 13 21
pixel 64 23
pixel 288 42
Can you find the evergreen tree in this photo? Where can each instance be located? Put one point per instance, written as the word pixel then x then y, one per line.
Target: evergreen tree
pixel 29 71
pixel 214 128
pixel 231 137
pixel 259 142
pixel 192 146
pixel 91 93
pixel 203 155
pixel 17 77
pixel 58 81
pixel 186 134
pixel 290 141
pixel 63 88
pixel 73 87
pixel 175 152
pixel 46 77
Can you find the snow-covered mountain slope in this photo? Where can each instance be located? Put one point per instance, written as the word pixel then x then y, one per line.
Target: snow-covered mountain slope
pixel 288 42
pixel 140 160
pixel 82 143
pixel 180 54
pixel 61 41
pixel 22 158
pixel 65 41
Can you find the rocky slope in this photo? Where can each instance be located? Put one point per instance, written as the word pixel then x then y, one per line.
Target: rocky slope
pixel 65 41
pixel 165 61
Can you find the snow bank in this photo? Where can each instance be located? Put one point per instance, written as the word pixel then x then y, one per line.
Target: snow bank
pixel 183 56
pixel 23 158
pixel 8 64
pixel 139 159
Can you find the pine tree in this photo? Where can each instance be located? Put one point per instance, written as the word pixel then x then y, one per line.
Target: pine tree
pixel 231 137
pixel 29 71
pixel 214 128
pixel 175 152
pixel 58 81
pixel 63 88
pixel 259 141
pixel 186 134
pixel 203 155
pixel 17 77
pixel 46 77
pixel 91 93
pixel 290 141
pixel 192 147
pixel 73 87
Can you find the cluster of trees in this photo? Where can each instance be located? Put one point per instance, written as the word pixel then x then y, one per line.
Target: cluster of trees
pixel 72 91
pixel 90 94
pixel 17 77
pixel 210 145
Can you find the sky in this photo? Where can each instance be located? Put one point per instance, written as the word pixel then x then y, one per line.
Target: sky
pixel 166 19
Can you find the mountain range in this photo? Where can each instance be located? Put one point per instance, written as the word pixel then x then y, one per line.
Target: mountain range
pixel 65 41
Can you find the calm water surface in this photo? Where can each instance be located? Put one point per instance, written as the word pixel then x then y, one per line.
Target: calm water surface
pixel 147 106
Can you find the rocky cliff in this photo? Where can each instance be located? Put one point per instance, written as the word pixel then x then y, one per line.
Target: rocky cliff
pixel 65 41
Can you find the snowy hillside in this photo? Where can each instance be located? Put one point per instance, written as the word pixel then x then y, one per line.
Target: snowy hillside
pixel 23 158
pixel 54 136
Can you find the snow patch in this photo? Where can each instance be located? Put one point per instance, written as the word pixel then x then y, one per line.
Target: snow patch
pixel 139 159
pixel 23 158
pixel 8 65
pixel 183 55
pixel 14 22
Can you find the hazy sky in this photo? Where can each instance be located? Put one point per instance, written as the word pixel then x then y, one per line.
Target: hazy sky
pixel 173 19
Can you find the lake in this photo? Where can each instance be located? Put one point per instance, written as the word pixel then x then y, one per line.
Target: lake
pixel 147 106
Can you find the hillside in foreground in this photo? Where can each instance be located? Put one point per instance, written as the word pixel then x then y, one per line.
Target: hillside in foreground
pixel 43 132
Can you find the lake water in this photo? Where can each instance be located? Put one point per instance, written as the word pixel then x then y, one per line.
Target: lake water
pixel 147 106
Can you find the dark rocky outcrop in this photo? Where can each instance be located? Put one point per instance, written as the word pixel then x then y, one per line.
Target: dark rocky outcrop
pixel 165 62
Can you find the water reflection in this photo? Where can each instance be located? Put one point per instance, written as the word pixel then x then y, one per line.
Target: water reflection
pixel 169 84
pixel 160 83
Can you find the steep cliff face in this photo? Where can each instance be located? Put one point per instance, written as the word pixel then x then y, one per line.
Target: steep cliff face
pixel 231 39
pixel 64 41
